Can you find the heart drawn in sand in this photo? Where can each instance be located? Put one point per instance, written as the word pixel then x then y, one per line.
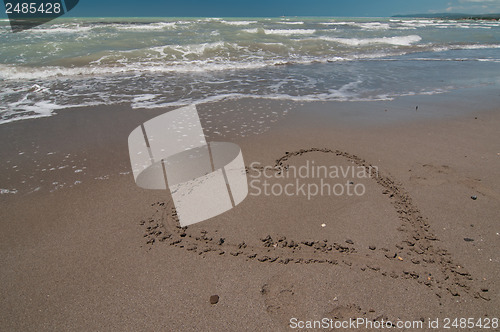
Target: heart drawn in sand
pixel 418 256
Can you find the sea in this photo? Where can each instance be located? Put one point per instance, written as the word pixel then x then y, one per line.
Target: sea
pixel 161 62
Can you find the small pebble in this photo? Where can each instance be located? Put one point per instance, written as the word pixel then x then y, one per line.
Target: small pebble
pixel 214 299
pixel 474 197
pixel 349 241
pixel 323 225
pixel 372 247
pixel 484 289
pixel 468 239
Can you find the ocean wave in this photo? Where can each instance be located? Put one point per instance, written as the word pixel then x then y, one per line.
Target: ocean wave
pixel 193 58
pixel 477 46
pixel 361 25
pixel 373 26
pixel 282 32
pixel 338 23
pixel 73 29
pixel 196 49
pixel 197 66
pixel 442 24
pixel 238 22
pixel 210 19
pixel 443 48
pixel 146 27
pixel 397 40
pixel 292 22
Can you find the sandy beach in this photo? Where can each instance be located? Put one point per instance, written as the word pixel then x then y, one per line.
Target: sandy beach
pixel 83 248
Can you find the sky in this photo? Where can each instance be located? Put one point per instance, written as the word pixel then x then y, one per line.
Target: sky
pixel 273 8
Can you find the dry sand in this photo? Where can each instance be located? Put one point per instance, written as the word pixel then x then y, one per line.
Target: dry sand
pixel 89 250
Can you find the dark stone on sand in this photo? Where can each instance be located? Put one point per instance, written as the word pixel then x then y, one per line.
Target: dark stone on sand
pixel 391 255
pixel 484 297
pixel 484 289
pixel 372 247
pixel 214 299
pixel 221 241
pixel 468 239
pixel 474 197
pixel 453 292
pixel 349 241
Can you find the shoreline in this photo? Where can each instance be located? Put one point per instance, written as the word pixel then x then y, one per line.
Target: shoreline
pixel 89 261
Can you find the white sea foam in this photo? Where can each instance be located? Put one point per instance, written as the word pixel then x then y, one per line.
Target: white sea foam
pixel 200 65
pixel 343 94
pixel 238 22
pixel 148 74
pixel 373 26
pixel 398 40
pixel 61 29
pixel 210 19
pixel 338 23
pixel 478 46
pixel 292 23
pixel 193 49
pixel 282 32
pixel 146 27
pixel 362 25
pixel 8 191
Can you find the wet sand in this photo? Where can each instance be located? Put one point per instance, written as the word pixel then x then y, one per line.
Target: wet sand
pixel 83 248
